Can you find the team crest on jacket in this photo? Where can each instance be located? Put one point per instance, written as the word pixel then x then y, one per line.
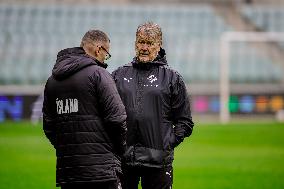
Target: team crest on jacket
pixel 152 78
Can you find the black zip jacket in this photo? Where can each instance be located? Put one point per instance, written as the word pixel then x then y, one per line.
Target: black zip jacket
pixel 84 118
pixel 158 111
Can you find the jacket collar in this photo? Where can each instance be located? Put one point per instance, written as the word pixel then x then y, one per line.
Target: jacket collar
pixel 160 60
pixel 72 60
pixel 78 51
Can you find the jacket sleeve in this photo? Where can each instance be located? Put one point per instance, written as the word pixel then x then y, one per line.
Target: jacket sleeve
pixel 181 113
pixel 113 111
pixel 48 126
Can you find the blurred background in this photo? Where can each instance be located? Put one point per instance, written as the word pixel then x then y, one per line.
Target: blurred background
pixel 229 52
pixel 33 31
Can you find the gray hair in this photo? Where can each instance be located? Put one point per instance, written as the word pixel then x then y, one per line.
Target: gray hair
pixel 93 36
pixel 152 29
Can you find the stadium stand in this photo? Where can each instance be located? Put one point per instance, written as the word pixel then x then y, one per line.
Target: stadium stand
pixel 32 34
pixel 268 18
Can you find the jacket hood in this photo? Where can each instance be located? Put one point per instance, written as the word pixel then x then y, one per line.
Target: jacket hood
pixel 158 61
pixel 71 60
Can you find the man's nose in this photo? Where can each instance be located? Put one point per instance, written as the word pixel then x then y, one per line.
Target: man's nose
pixel 144 46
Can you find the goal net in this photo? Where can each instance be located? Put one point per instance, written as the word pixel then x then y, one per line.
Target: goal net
pixel 251 73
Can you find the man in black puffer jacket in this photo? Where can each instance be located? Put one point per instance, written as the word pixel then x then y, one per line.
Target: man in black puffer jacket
pixel 84 117
pixel 158 112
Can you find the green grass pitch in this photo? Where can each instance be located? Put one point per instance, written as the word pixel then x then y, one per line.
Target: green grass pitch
pixel 234 156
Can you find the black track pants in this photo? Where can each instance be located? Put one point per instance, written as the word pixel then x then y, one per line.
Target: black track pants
pixel 151 178
pixel 103 185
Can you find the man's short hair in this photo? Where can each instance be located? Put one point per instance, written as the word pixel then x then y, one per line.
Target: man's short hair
pixel 152 29
pixel 94 36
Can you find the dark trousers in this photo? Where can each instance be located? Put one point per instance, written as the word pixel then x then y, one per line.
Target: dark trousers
pixel 151 178
pixel 102 185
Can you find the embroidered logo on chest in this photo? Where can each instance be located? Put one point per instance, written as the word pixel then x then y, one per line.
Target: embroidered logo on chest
pixel 128 80
pixel 152 78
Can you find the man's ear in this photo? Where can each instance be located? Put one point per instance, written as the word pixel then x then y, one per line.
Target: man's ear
pixel 91 49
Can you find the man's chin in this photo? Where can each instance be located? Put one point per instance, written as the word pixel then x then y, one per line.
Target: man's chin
pixel 144 59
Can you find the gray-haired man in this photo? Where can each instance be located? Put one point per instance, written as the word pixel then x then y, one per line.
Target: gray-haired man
pixel 158 112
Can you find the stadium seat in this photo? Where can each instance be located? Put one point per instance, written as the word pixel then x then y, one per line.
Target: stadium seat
pixel 36 32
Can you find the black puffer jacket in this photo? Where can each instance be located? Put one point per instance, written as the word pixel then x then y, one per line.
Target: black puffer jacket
pixel 158 111
pixel 84 118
